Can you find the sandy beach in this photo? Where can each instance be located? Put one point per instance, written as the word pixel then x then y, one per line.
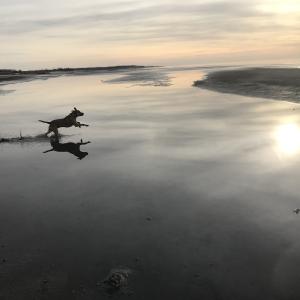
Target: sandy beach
pixel 189 190
pixel 275 83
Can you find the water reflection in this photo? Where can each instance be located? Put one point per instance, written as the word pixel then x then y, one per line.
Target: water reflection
pixel 288 138
pixel 73 148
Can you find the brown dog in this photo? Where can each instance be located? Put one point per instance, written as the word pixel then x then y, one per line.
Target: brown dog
pixel 68 121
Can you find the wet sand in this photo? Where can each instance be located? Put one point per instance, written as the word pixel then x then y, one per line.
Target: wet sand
pixel 191 190
pixel 275 83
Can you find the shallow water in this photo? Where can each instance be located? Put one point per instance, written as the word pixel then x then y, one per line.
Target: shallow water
pixel 191 190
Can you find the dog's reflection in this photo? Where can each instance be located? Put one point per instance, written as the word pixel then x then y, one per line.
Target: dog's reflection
pixel 73 148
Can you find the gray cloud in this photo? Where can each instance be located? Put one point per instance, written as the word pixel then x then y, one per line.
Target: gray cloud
pixel 129 22
pixel 210 13
pixel 95 22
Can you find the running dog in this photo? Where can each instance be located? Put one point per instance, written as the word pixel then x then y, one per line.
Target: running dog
pixel 68 121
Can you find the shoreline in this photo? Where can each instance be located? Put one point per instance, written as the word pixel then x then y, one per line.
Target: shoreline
pixel 271 83
pixel 10 75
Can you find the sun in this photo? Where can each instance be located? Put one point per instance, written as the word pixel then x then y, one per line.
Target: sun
pixel 287 138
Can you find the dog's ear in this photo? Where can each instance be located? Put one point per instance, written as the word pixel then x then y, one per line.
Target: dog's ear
pixel 75 109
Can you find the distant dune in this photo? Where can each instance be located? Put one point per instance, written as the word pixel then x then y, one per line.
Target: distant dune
pixel 275 83
pixel 17 75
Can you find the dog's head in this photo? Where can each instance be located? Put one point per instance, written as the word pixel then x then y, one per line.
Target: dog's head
pixel 77 112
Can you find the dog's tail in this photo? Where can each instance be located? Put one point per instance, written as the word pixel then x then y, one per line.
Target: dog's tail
pixel 44 122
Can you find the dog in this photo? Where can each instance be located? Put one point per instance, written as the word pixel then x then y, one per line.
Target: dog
pixel 68 121
pixel 73 148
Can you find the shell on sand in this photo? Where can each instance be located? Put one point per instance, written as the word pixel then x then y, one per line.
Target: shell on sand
pixel 117 278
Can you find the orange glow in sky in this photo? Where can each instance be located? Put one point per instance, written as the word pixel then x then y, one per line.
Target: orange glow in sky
pixel 40 33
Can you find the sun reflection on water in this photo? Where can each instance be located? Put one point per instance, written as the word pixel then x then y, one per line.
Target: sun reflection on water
pixel 287 138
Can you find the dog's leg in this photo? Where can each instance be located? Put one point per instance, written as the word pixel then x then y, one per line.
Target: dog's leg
pixel 77 124
pixel 49 130
pixel 82 143
pixel 48 150
pixel 55 130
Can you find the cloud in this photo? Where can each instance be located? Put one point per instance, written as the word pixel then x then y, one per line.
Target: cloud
pixel 97 24
pixel 147 15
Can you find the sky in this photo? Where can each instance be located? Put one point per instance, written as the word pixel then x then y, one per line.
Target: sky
pixel 72 33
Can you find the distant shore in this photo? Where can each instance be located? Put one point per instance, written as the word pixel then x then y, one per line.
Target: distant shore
pixel 274 83
pixel 8 75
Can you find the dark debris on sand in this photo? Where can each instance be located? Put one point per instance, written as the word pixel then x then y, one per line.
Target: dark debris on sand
pixel 297 211
pixel 116 280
